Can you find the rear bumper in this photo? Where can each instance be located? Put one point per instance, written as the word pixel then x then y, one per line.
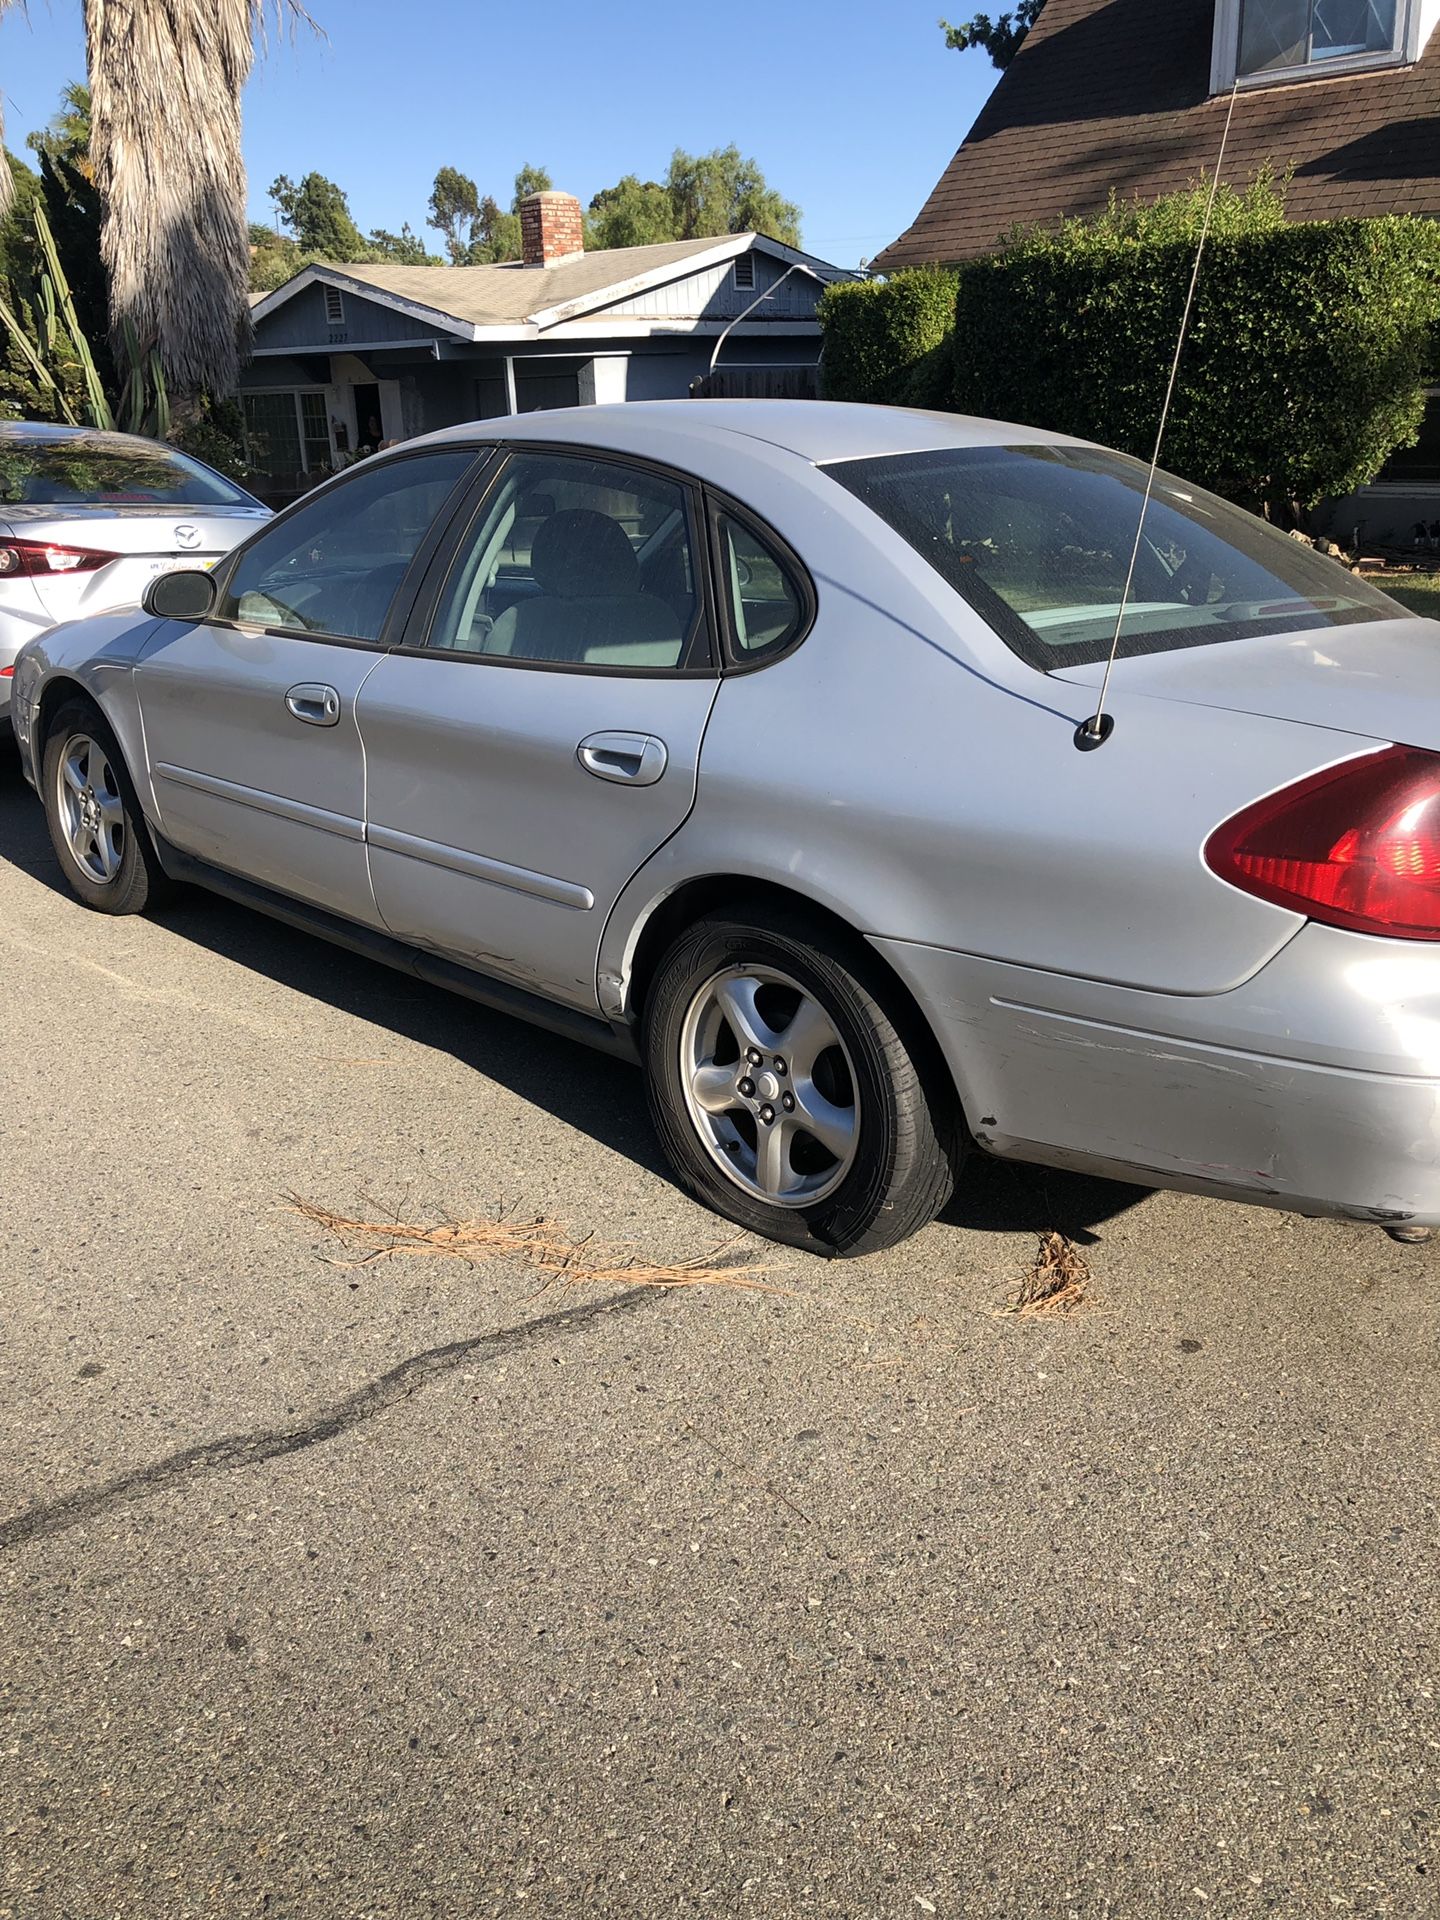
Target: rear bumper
pixel 1315 1086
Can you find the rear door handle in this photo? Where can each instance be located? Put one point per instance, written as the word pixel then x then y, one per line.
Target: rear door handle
pixel 631 759
pixel 317 705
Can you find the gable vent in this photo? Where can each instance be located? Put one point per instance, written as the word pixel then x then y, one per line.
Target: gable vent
pixel 334 307
pixel 745 272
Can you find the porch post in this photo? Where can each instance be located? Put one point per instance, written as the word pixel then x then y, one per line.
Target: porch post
pixel 511 405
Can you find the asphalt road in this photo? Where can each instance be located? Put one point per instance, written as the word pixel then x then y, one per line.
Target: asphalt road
pixel 403 1591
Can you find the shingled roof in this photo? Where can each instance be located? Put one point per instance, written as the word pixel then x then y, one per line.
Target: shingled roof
pixel 1114 94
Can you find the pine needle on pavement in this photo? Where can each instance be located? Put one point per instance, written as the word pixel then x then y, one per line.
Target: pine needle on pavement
pixel 543 1244
pixel 1057 1283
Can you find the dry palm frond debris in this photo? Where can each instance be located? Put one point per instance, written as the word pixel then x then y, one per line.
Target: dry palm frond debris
pixel 1057 1282
pixel 541 1243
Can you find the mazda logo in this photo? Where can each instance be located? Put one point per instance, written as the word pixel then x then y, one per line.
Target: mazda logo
pixel 187 536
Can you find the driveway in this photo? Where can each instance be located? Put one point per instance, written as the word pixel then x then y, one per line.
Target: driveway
pixel 407 1590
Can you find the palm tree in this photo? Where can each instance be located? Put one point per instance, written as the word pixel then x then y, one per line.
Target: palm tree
pixel 165 82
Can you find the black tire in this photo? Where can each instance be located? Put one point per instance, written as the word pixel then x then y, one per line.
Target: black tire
pixel 905 1122
pixel 138 883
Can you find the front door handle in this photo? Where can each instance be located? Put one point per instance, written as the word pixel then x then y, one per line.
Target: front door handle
pixel 315 704
pixel 632 759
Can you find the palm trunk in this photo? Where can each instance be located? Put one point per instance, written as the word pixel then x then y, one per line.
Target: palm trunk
pixel 165 81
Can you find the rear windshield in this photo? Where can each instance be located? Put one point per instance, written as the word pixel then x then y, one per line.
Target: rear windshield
pixel 1038 540
pixel 68 473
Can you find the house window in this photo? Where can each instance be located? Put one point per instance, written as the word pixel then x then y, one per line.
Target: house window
pixel 334 307
pixel 287 433
pixel 1261 41
pixel 1418 466
pixel 745 272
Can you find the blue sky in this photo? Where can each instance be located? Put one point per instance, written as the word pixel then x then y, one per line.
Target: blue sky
pixel 851 110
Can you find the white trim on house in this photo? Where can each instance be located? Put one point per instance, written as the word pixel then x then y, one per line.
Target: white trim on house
pixel 1415 21
pixel 725 249
pixel 315 275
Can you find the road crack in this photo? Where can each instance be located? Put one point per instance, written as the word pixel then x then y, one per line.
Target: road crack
pixel 330 1423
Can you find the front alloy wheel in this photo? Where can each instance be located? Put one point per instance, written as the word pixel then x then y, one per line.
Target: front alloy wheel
pixel 96 827
pixel 792 1086
pixel 92 812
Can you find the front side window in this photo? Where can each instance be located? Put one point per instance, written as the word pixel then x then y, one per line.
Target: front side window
pixel 335 564
pixel 1277 36
pixel 1038 540
pixel 96 470
pixel 575 562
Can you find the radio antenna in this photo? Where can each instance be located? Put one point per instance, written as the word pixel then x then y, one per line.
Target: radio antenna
pixel 1095 731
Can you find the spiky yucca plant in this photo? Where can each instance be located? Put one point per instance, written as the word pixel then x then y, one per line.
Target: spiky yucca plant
pixel 59 358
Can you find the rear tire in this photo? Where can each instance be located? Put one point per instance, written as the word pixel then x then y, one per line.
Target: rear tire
pixel 96 827
pixel 791 1088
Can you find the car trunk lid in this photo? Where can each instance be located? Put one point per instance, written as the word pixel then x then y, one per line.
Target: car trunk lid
pixel 145 540
pixel 1379 678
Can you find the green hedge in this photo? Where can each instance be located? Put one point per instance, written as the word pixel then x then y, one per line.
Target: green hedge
pixel 1303 367
pixel 890 340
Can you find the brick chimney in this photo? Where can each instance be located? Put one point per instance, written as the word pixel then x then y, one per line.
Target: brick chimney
pixel 552 228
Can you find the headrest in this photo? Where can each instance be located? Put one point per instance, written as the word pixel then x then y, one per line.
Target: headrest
pixel 579 554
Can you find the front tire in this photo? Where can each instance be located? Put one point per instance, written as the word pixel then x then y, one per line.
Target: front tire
pixel 790 1088
pixel 96 826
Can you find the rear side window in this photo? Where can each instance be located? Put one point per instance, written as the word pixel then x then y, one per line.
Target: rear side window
pixel 1039 539
pixel 335 564
pixel 574 562
pixel 767 607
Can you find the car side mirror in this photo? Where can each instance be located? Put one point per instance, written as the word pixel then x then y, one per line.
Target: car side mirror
pixel 187 594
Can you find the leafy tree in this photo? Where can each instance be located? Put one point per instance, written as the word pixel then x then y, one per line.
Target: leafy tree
pixel 632 213
pixel 405 247
pixel 17 229
pixel 454 211
pixel 530 180
pixel 720 192
pixel 277 259
pixel 497 233
pixel 67 138
pixel 318 215
pixel 702 195
pixel 1000 37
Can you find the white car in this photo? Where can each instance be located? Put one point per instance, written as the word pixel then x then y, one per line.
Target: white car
pixel 88 519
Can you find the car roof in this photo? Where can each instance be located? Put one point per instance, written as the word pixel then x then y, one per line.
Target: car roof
pixel 816 430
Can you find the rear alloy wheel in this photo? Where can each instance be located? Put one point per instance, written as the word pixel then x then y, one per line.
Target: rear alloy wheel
pixel 96 828
pixel 788 1095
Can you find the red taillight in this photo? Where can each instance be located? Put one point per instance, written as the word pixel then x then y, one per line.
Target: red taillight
pixel 43 556
pixel 1357 846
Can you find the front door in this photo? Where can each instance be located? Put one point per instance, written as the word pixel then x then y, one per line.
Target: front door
pixel 542 739
pixel 250 717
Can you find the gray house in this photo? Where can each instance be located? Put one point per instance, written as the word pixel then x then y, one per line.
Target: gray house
pixel 346 356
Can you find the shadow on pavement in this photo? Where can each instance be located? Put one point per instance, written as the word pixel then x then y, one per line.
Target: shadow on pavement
pixel 602 1098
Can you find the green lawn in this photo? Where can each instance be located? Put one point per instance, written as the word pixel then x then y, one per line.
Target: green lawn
pixel 1418 591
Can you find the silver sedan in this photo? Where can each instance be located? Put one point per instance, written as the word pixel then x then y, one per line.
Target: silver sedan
pixel 748 740
pixel 88 519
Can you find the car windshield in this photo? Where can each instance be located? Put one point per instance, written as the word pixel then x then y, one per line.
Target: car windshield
pixel 1039 539
pixel 68 473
